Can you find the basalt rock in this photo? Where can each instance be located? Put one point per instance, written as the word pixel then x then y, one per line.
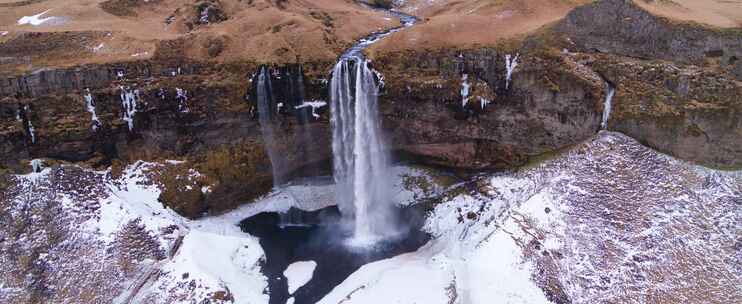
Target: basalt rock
pixel 183 111
pixel 623 28
pixel 687 111
pixel 454 108
pixel 678 84
pixel 548 105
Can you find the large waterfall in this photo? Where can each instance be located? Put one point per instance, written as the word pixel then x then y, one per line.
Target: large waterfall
pixel 360 162
pixel 359 157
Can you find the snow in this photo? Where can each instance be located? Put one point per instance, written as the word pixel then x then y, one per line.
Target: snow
pixel 467 262
pixel 36 20
pixel 314 104
pixel 133 198
pixel 616 240
pixel 217 262
pixel 36 165
pixel 299 273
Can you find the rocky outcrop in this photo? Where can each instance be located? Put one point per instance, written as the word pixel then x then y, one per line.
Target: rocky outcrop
pixel 204 114
pixel 455 109
pixel 678 86
pixel 689 112
pixel 623 28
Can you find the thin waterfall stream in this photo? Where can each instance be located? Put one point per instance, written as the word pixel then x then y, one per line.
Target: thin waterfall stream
pixel 365 226
pixel 610 91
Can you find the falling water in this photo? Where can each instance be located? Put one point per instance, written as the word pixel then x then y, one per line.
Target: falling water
pixel 266 113
pixel 610 91
pixel 510 64
pixel 129 100
pixel 90 107
pixel 359 157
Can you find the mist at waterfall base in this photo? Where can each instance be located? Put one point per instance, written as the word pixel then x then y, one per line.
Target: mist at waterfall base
pixel 366 225
pixel 321 236
pixel 360 161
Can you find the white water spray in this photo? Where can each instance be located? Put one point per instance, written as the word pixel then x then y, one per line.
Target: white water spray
pixel 610 92
pixel 32 132
pixel 510 64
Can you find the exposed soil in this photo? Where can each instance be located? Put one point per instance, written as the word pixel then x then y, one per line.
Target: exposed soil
pixel 258 30
pixel 464 24
pixel 720 13
pixel 289 31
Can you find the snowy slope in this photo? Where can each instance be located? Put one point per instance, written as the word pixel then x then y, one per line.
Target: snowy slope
pixel 610 221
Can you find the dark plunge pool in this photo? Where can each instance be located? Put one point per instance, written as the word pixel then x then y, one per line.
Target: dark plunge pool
pixel 319 236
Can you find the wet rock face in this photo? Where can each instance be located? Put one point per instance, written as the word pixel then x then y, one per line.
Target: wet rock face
pixel 686 111
pixel 205 114
pixel 547 106
pixel 688 108
pixel 621 27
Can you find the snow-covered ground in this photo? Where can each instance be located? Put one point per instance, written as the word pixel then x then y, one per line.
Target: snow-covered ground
pixel 37 19
pixel 93 238
pixel 299 273
pixel 610 221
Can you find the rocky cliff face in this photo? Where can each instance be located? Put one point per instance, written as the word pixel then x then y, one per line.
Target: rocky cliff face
pixel 457 109
pixel 623 28
pixel 448 107
pixel 678 87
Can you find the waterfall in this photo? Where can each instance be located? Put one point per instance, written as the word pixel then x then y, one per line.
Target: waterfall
pixel 464 89
pixel 129 105
pixel 90 106
pixel 23 116
pixel 510 64
pixel 359 158
pixel 610 92
pixel 266 113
